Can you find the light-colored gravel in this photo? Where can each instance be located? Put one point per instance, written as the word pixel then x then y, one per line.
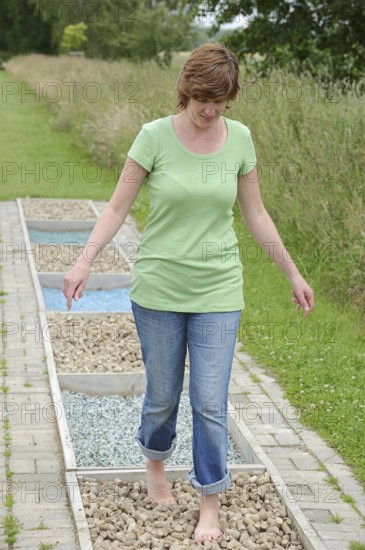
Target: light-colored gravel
pixel 60 257
pixel 251 515
pixel 57 209
pixel 103 427
pixel 95 344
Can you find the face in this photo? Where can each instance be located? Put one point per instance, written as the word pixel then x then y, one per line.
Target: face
pixel 205 113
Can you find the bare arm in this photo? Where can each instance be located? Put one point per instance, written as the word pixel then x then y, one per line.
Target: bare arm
pixel 111 219
pixel 115 212
pixel 259 223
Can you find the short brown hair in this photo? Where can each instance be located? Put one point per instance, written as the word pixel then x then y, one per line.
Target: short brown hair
pixel 210 72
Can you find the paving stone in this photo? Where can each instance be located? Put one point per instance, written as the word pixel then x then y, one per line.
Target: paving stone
pixel 45 536
pixel 343 536
pixel 42 478
pixel 239 399
pixel 265 439
pixel 284 466
pixel 63 545
pixel 287 437
pixel 305 462
pixel 331 526
pixel 336 545
pixel 323 516
pixel 49 509
pixel 22 465
pixel 30 522
pixel 44 466
pixel 339 470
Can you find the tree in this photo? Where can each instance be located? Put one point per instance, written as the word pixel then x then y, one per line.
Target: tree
pixel 22 30
pixel 321 35
pixel 134 29
pixel 73 37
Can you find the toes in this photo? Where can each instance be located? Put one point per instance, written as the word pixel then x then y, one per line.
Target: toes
pixel 202 538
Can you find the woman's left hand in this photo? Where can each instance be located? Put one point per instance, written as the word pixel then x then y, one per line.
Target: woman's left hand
pixel 303 295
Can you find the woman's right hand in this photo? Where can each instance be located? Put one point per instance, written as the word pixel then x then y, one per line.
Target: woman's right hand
pixel 75 280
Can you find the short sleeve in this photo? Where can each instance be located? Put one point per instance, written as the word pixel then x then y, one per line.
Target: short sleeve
pixel 142 149
pixel 249 154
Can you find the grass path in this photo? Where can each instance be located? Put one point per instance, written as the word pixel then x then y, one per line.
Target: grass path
pixel 38 160
pixel 319 361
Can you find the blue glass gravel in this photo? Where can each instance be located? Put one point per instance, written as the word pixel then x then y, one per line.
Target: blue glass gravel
pixel 114 299
pixel 60 237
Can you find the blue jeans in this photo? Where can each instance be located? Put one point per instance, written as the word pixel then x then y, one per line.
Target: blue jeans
pixel 210 338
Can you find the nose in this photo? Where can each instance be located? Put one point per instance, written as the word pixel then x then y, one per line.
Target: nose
pixel 209 109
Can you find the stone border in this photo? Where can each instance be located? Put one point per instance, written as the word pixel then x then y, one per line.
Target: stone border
pixel 96 281
pixel 60 225
pixel 172 472
pixel 78 511
pixel 106 383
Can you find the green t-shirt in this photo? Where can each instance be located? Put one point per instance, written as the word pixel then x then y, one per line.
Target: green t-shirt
pixel 188 256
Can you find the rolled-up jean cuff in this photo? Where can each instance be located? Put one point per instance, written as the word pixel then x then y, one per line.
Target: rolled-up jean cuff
pixel 212 488
pixel 155 455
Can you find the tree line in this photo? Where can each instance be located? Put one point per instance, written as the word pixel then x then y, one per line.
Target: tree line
pixel 322 36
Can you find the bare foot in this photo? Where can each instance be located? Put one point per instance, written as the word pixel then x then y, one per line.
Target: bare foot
pixel 158 488
pixel 208 527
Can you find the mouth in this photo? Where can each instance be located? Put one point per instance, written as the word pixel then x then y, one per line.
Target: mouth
pixel 206 118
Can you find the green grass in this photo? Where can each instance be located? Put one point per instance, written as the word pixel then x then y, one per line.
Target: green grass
pixel 29 127
pixel 41 527
pixel 354 545
pixel 9 500
pixel 349 499
pixel 332 480
pixel 12 528
pixel 47 546
pixel 319 361
pixel 336 518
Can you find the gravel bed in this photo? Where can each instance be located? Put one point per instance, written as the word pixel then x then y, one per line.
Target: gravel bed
pixel 103 427
pixel 100 343
pixel 113 299
pixel 251 515
pixel 58 257
pixel 57 209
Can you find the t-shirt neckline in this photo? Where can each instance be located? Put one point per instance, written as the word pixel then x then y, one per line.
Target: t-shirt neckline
pixel 197 155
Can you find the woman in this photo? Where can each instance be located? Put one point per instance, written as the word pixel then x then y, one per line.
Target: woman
pixel 187 280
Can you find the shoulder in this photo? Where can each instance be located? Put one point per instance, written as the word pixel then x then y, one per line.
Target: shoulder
pixel 238 126
pixel 156 124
